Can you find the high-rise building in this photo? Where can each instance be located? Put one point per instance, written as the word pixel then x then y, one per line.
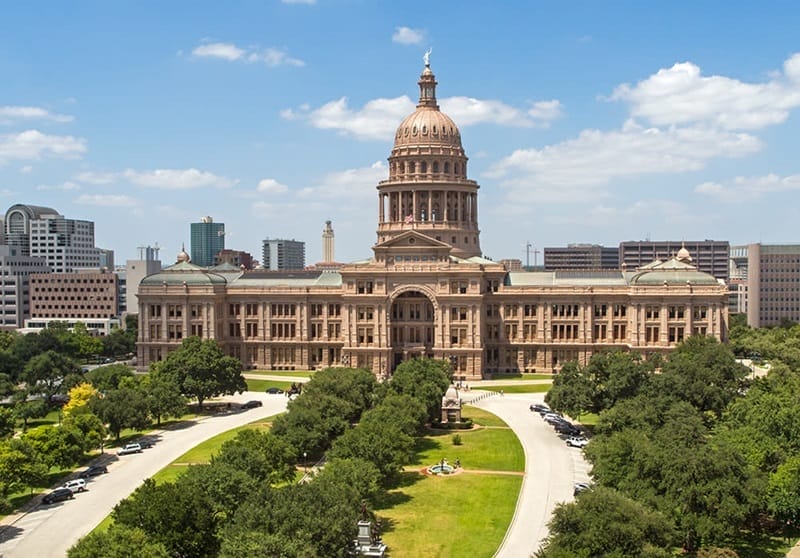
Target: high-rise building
pixel 426 290
pixel 136 270
pixel 767 282
pixel 282 254
pixel 710 256
pixel 66 244
pixel 207 239
pixel 15 270
pixel 328 255
pixel 236 258
pixel 581 256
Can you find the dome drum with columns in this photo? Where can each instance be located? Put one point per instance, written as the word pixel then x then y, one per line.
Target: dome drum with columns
pixel 427 291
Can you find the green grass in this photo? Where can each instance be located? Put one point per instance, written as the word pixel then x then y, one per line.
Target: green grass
pixel 481 417
pixel 491 449
pixel 287 373
pixel 530 388
pixel 501 376
pixel 460 515
pixel 262 385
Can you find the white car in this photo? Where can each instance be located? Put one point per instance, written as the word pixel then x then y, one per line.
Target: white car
pixel 577 441
pixel 130 448
pixel 76 485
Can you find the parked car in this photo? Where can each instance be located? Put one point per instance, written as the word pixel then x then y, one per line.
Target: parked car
pixel 252 404
pixel 146 443
pixel 130 448
pixel 552 418
pixel 274 390
pixel 581 487
pixel 540 408
pixel 76 485
pixel 58 495
pixel 567 428
pixel 93 471
pixel 577 441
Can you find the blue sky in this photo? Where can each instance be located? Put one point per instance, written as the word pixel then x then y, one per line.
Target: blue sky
pixel 584 122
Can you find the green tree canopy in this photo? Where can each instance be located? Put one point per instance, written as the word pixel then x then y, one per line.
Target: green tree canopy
pixel 425 379
pixel 119 541
pixel 202 370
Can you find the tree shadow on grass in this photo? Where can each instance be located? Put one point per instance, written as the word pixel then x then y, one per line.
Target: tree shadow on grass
pixel 421 446
pixel 754 545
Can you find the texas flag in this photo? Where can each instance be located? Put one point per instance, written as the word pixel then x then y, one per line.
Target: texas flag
pixel 409 218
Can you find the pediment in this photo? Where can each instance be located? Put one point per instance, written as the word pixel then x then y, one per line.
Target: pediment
pixel 411 240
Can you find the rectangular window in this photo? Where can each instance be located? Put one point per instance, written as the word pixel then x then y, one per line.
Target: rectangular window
pixel 620 310
pixel 652 312
pixel 675 334
pixel 364 287
pixel 700 313
pixel 510 311
pixel 364 313
pixel 197 330
pixel 234 329
pixel 334 310
pixel 195 310
pixel 600 310
pixel 459 287
pixel 251 329
pixel 530 310
pixel 458 314
pixel 251 309
pixel 529 332
pixel 600 332
pixel 155 310
pixel 458 336
pixel 676 312
pixel 334 331
pixel 234 309
pixel 651 334
pixel 511 332
pixel 316 310
pixel 620 332
pixel 174 311
pixel 316 331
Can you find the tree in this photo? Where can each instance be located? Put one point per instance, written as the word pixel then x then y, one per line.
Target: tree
pixel 79 397
pixel 7 420
pixel 425 379
pixel 572 391
pixel 19 466
pixel 86 344
pixel 88 428
pixel 119 541
pixel 54 446
pixel 179 517
pixel 783 493
pixel 119 342
pixel 356 386
pixel 122 408
pixel 202 370
pixel 262 455
pixel 163 395
pixel 45 374
pixel 26 408
pixel 108 377
pixel 603 522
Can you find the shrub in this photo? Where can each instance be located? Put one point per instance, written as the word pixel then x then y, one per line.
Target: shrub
pixel 456 439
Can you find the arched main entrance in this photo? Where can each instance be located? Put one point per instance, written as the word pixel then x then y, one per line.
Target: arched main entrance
pixel 411 323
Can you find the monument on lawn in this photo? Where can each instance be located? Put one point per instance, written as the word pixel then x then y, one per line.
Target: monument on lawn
pixel 368 542
pixel 451 405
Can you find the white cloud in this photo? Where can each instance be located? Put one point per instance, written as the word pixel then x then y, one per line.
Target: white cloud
pixel 25 169
pixel 408 36
pixel 90 177
pixel 353 184
pixel 602 215
pixel 32 144
pixel 681 95
pixel 228 51
pixel 68 185
pixel 576 167
pixel 106 200
pixel 10 114
pixel 378 118
pixel 743 189
pixel 271 186
pixel 177 179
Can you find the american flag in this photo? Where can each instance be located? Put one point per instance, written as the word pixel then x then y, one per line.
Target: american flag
pixel 409 218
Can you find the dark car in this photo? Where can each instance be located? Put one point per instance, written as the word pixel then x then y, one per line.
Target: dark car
pixel 58 495
pixel 274 390
pixel 540 408
pixel 146 443
pixel 566 428
pixel 252 404
pixel 93 471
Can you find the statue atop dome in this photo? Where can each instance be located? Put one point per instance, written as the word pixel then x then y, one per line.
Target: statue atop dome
pixel 427 57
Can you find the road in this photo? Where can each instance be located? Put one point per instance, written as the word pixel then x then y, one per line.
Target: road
pixel 51 530
pixel 551 468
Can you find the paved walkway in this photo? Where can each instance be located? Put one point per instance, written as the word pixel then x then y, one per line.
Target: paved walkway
pixel 794 552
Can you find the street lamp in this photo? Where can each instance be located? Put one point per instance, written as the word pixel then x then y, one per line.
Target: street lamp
pixel 305 462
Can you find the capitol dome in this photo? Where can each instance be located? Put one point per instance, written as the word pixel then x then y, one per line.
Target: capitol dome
pixel 428 126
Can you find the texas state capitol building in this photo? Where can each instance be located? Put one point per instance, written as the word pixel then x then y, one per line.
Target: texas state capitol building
pixel 427 291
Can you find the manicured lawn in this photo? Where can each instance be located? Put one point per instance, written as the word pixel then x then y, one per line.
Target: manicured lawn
pixel 262 385
pixel 529 388
pixel 492 449
pixel 479 416
pixel 287 373
pixel 459 515
pixel 521 376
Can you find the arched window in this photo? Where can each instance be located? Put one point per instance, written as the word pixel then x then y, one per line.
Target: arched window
pixel 436 166
pixel 412 167
pixel 446 167
pixel 423 167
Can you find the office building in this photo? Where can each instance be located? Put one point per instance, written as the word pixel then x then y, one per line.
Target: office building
pixel 236 258
pixel 207 239
pixel 710 256
pixel 281 254
pixel 15 270
pixel 136 270
pixel 767 283
pixel 66 244
pixel 581 256
pixel 426 290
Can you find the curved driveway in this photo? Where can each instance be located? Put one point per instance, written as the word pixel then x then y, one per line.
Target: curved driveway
pixel 551 468
pixel 51 530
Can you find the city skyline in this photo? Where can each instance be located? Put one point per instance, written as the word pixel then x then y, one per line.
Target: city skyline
pixel 591 125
